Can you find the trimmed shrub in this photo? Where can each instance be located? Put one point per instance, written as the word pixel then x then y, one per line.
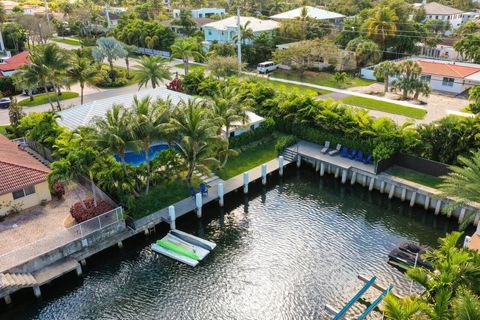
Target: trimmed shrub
pixel 284 142
pixel 88 211
pixel 265 129
pixel 58 189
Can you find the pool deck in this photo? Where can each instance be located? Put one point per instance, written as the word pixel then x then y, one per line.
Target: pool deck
pixel 312 151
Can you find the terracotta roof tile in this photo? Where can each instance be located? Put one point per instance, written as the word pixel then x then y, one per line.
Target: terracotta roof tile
pixel 15 62
pixel 447 69
pixel 18 169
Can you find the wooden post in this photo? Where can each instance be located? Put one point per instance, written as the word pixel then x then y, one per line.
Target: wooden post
pixel 220 194
pixel 280 165
pixel 264 174
pixel 198 203
pixel 171 214
pixel 245 182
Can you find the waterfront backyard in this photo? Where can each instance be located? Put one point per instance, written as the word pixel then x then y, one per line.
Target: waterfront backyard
pixel 283 252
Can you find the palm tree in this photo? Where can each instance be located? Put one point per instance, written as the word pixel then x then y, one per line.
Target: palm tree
pixel 27 79
pixel 129 51
pixel 463 183
pixel 152 69
pixel 382 25
pixel 409 72
pixel 466 306
pixel 149 123
pixel 194 133
pixel 186 48
pixel 113 134
pixel 385 70
pixel 110 49
pixel 409 308
pixel 82 71
pixel 246 33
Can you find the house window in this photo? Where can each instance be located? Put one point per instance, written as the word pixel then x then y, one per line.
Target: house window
pixel 448 82
pixel 209 33
pixel 23 192
pixel 426 78
pixel 232 134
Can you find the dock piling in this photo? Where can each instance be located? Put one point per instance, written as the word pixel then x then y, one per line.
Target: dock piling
pixel 264 174
pixel 299 161
pixel 382 186
pixel 37 292
pixel 78 269
pixel 322 169
pixel 280 166
pixel 120 244
pixel 7 299
pixel 317 165
pixel 171 214
pixel 392 191
pixel 462 215
pixel 427 202
pixel 245 182
pixel 198 204
pixel 220 194
pixel 438 207
pixel 412 200
pixel 372 184
pixel 364 181
pixel 337 172
pixel 354 178
pixel 344 175
pixel 404 194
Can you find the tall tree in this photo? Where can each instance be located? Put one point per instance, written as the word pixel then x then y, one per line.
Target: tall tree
pixel 129 50
pixel 110 49
pixel 385 70
pixel 82 71
pixel 381 25
pixel 186 48
pixel 152 69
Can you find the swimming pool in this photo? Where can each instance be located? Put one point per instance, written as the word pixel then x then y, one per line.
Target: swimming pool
pixel 137 158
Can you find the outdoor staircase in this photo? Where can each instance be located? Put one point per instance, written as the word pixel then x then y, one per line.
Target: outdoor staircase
pixel 16 280
pixel 289 155
pixel 211 181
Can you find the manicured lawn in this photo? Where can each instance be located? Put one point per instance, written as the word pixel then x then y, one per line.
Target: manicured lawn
pixel 415 176
pixel 385 107
pixel 160 197
pixel 72 42
pixel 43 99
pixel 191 67
pixel 320 78
pixel 292 88
pixel 247 160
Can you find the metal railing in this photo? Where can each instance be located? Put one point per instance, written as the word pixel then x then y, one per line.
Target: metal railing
pixel 59 239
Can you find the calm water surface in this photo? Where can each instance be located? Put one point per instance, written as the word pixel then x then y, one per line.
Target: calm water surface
pixel 282 253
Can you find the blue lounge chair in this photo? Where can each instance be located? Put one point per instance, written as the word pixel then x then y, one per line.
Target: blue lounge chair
pixel 352 154
pixel 344 152
pixel 203 189
pixel 193 192
pixel 359 156
pixel 368 159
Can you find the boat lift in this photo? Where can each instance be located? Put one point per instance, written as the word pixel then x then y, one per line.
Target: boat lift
pixel 340 315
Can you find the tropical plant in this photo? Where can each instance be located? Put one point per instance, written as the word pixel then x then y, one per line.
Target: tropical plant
pixel 194 133
pixel 152 69
pixel 15 113
pixel 341 78
pixel 385 70
pixel 129 50
pixel 109 49
pixel 28 79
pixel 149 123
pixel 367 52
pixel 222 67
pixel 185 49
pixel 409 79
pixel 474 96
pixel 82 71
pixel 246 33
pixel 381 25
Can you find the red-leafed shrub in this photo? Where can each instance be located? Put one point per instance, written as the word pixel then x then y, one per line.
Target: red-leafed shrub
pixel 58 189
pixel 89 211
pixel 175 84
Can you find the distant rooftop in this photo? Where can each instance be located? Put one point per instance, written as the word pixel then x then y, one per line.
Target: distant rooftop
pixel 85 114
pixel 257 25
pixel 15 62
pixel 435 8
pixel 315 13
pixel 447 69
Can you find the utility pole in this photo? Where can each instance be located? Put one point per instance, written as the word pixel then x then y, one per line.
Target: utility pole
pixel 46 13
pixel 239 41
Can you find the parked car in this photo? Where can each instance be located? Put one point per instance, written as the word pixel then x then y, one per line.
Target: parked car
pixel 266 67
pixel 5 103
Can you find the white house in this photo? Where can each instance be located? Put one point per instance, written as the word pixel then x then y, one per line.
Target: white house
pixel 437 11
pixel 447 76
pixel 201 13
pixel 225 30
pixel 87 113
pixel 312 12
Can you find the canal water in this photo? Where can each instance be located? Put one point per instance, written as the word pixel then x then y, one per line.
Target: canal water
pixel 283 252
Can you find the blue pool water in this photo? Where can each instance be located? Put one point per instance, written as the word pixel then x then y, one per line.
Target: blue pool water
pixel 137 158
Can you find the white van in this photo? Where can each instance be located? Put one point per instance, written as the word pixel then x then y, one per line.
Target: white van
pixel 266 67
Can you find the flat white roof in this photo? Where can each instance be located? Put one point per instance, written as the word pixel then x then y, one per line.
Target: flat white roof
pixel 257 25
pixel 84 115
pixel 315 13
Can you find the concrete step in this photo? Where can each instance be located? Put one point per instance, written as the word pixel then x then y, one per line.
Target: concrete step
pixel 18 280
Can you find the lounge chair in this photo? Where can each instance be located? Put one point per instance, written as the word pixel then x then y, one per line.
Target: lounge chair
pixel 359 156
pixel 352 154
pixel 325 148
pixel 368 159
pixel 336 151
pixel 344 152
pixel 193 192
pixel 203 189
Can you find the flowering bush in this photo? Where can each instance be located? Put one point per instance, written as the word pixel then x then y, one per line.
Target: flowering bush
pixel 89 210
pixel 58 189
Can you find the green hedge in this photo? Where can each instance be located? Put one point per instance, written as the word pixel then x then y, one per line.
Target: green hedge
pixel 285 142
pixel 265 129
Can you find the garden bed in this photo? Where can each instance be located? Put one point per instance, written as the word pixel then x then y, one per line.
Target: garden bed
pixel 43 99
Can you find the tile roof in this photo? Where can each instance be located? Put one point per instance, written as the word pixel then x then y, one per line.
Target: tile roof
pixel 312 12
pixel 434 8
pixel 257 25
pixel 447 69
pixel 18 169
pixel 15 62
